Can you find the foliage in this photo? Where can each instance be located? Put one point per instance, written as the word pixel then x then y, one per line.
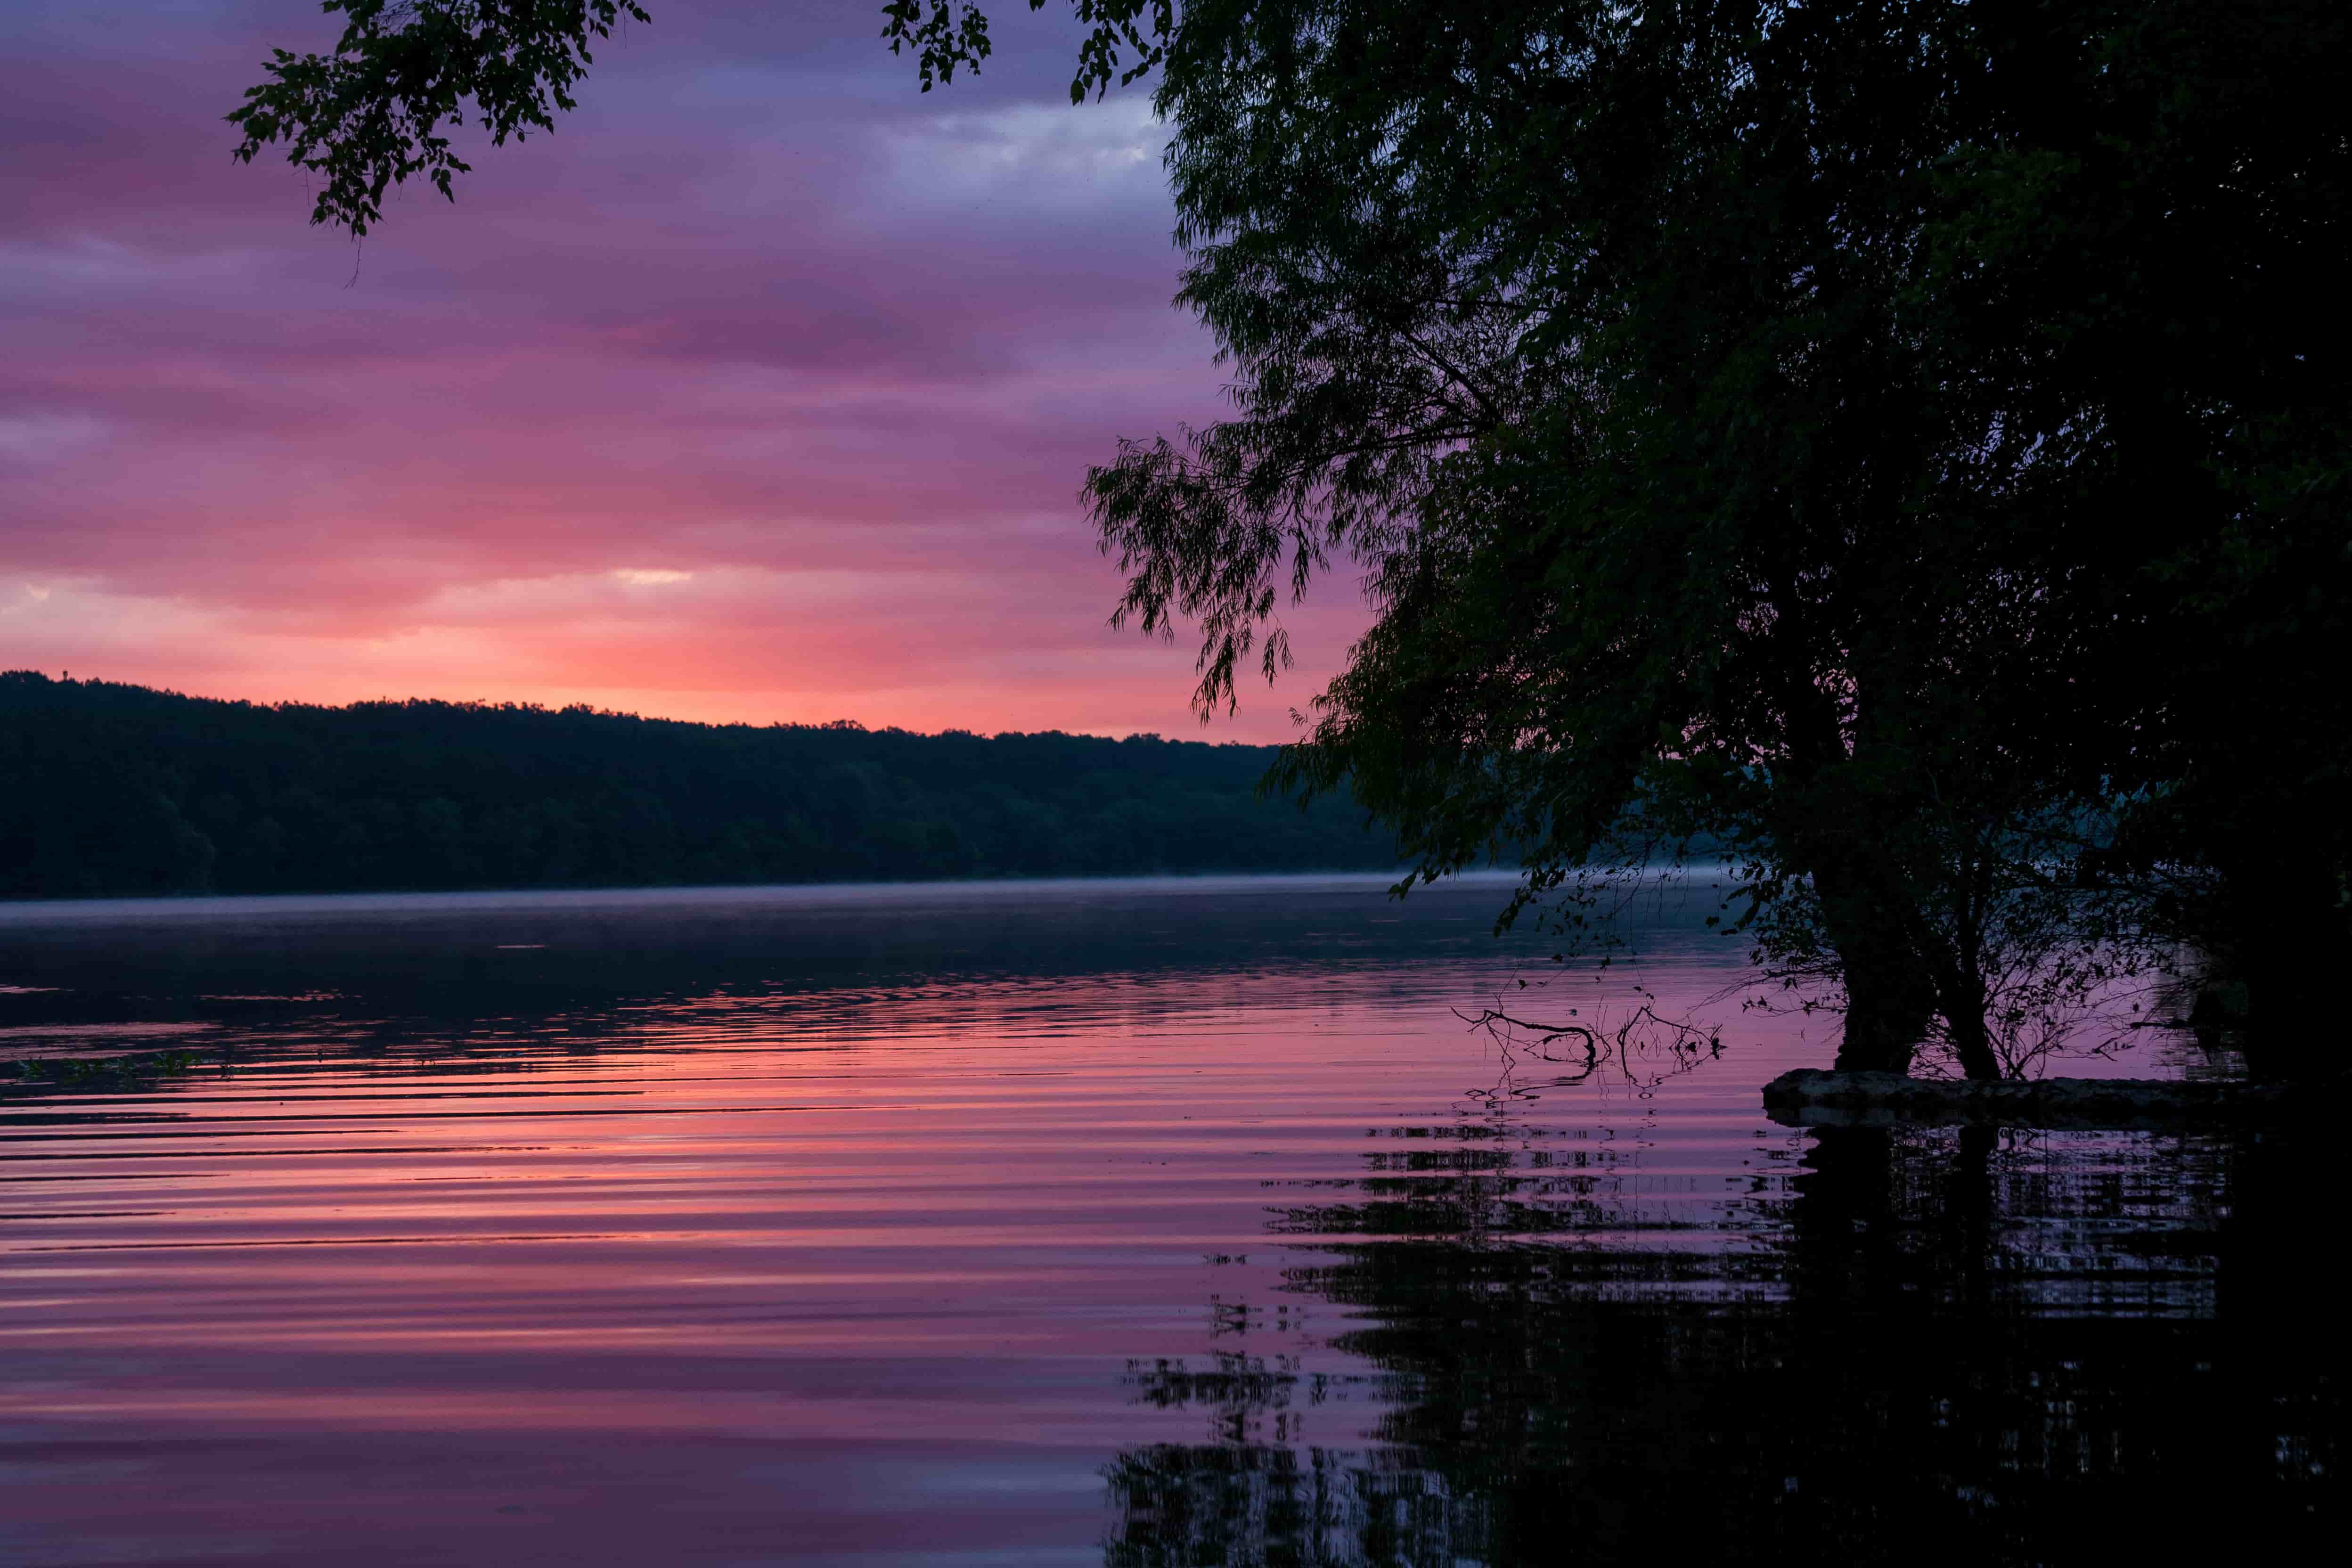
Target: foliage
pixel 377 109
pixel 1802 423
pixel 944 35
pixel 114 790
pixel 374 111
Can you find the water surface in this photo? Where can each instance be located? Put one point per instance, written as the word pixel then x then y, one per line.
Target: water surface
pixel 1179 1223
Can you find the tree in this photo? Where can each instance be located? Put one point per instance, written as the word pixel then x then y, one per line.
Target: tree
pixel 1670 501
pixel 1803 423
pixel 1875 435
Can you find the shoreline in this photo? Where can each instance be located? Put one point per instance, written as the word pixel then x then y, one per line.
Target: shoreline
pixel 1820 1097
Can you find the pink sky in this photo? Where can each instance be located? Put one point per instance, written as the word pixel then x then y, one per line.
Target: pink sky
pixel 763 390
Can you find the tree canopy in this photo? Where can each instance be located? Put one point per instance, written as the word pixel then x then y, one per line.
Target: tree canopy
pixel 1867 432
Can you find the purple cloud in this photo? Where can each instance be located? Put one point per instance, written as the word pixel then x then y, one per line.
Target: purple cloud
pixel 763 390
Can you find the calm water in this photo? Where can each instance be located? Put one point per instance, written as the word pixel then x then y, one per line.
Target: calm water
pixel 1123 1224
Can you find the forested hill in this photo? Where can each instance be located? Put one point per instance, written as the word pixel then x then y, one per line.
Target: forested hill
pixel 109 790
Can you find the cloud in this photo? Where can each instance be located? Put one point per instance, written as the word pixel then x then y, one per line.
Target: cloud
pixel 762 389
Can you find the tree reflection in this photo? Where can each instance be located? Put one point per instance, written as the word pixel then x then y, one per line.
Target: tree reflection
pixel 1952 1344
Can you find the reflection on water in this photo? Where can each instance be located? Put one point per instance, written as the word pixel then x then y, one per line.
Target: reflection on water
pixel 1963 1345
pixel 1126 1223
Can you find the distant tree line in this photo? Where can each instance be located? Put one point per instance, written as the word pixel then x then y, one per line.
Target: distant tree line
pixel 113 790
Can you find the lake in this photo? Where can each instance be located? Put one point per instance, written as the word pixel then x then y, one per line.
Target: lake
pixel 1141 1223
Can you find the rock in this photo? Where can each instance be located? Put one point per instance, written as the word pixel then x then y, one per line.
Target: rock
pixel 1815 1097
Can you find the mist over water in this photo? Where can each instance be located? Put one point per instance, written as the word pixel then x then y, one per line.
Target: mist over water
pixel 1177 1223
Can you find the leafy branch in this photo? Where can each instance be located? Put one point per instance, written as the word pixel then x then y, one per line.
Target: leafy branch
pixel 945 36
pixel 376 110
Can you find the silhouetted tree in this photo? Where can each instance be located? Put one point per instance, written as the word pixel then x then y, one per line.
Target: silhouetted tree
pixel 1797 423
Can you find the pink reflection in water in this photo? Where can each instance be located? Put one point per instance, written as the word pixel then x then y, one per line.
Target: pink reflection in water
pixel 839 1277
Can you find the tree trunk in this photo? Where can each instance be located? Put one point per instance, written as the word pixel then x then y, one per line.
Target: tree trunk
pixel 1960 1000
pixel 1886 1013
pixel 1972 1043
pixel 1889 999
pixel 2290 945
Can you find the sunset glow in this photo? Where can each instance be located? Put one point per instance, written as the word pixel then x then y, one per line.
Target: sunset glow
pixel 762 392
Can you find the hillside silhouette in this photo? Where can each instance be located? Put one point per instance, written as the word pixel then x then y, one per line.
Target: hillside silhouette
pixel 109 790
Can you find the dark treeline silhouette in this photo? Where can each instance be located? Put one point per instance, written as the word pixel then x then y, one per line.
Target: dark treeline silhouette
pixel 109 790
